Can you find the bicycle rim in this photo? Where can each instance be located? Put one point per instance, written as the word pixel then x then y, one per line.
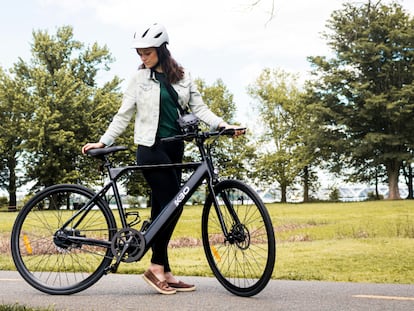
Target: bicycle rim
pixel 242 261
pixel 53 265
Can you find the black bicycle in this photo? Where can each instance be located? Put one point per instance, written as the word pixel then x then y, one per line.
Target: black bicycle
pixel 66 237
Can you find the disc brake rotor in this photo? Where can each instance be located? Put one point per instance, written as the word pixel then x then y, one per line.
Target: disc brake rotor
pixel 241 236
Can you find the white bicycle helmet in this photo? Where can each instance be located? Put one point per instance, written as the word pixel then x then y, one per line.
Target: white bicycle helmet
pixel 154 36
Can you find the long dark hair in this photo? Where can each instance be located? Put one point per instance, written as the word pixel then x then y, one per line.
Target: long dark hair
pixel 172 70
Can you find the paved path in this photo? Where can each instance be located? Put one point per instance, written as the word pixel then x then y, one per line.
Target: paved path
pixel 129 292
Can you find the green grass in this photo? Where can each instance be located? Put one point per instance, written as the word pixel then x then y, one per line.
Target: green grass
pixel 17 307
pixel 358 242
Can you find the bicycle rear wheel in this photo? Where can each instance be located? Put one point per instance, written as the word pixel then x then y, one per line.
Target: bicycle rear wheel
pixel 41 250
pixel 243 258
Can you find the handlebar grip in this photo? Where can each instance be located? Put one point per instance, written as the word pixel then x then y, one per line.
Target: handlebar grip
pixel 232 131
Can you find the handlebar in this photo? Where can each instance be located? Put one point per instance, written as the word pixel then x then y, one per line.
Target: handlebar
pixel 102 152
pixel 205 135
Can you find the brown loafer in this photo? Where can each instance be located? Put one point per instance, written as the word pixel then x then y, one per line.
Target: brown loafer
pixel 182 287
pixel 160 286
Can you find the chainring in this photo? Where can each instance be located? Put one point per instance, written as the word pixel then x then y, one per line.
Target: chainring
pixel 128 244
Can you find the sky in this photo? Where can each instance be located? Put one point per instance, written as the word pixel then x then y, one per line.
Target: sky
pixel 231 40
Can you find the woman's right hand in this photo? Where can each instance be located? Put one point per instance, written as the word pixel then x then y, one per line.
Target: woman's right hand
pixel 90 146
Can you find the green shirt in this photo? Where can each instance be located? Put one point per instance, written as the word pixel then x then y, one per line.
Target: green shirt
pixel 168 125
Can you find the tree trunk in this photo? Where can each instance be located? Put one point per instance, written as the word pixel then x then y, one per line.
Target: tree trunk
pixel 377 196
pixel 283 189
pixel 11 163
pixel 408 174
pixel 306 184
pixel 393 172
pixel 410 182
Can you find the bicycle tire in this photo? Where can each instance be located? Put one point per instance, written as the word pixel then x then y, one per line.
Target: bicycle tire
pixel 244 261
pixel 49 264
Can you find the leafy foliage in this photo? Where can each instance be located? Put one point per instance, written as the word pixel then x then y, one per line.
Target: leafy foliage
pixel 366 91
pixel 50 107
pixel 69 107
pixel 288 142
pixel 234 156
pixel 15 120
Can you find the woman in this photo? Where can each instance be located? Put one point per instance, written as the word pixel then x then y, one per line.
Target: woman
pixel 153 95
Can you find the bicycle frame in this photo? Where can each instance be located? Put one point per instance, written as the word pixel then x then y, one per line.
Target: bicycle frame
pixel 190 186
pixel 203 170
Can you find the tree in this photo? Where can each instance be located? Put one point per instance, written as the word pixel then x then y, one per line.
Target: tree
pixel 234 156
pixel 69 108
pixel 366 90
pixel 287 146
pixel 15 116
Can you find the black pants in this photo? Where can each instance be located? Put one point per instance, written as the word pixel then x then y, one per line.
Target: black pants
pixel 164 184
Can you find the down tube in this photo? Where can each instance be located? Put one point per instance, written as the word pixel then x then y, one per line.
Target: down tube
pixel 177 202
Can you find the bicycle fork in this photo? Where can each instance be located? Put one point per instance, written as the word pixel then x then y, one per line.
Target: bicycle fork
pixel 235 234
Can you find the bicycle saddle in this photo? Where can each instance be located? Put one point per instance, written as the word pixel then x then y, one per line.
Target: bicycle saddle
pixel 104 151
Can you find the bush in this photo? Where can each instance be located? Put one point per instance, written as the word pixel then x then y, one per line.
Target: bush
pixel 372 197
pixel 334 195
pixel 4 202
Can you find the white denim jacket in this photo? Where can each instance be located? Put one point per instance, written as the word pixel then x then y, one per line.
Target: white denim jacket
pixel 142 98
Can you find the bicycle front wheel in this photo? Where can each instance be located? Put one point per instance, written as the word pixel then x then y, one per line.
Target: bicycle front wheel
pixel 238 238
pixel 60 240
